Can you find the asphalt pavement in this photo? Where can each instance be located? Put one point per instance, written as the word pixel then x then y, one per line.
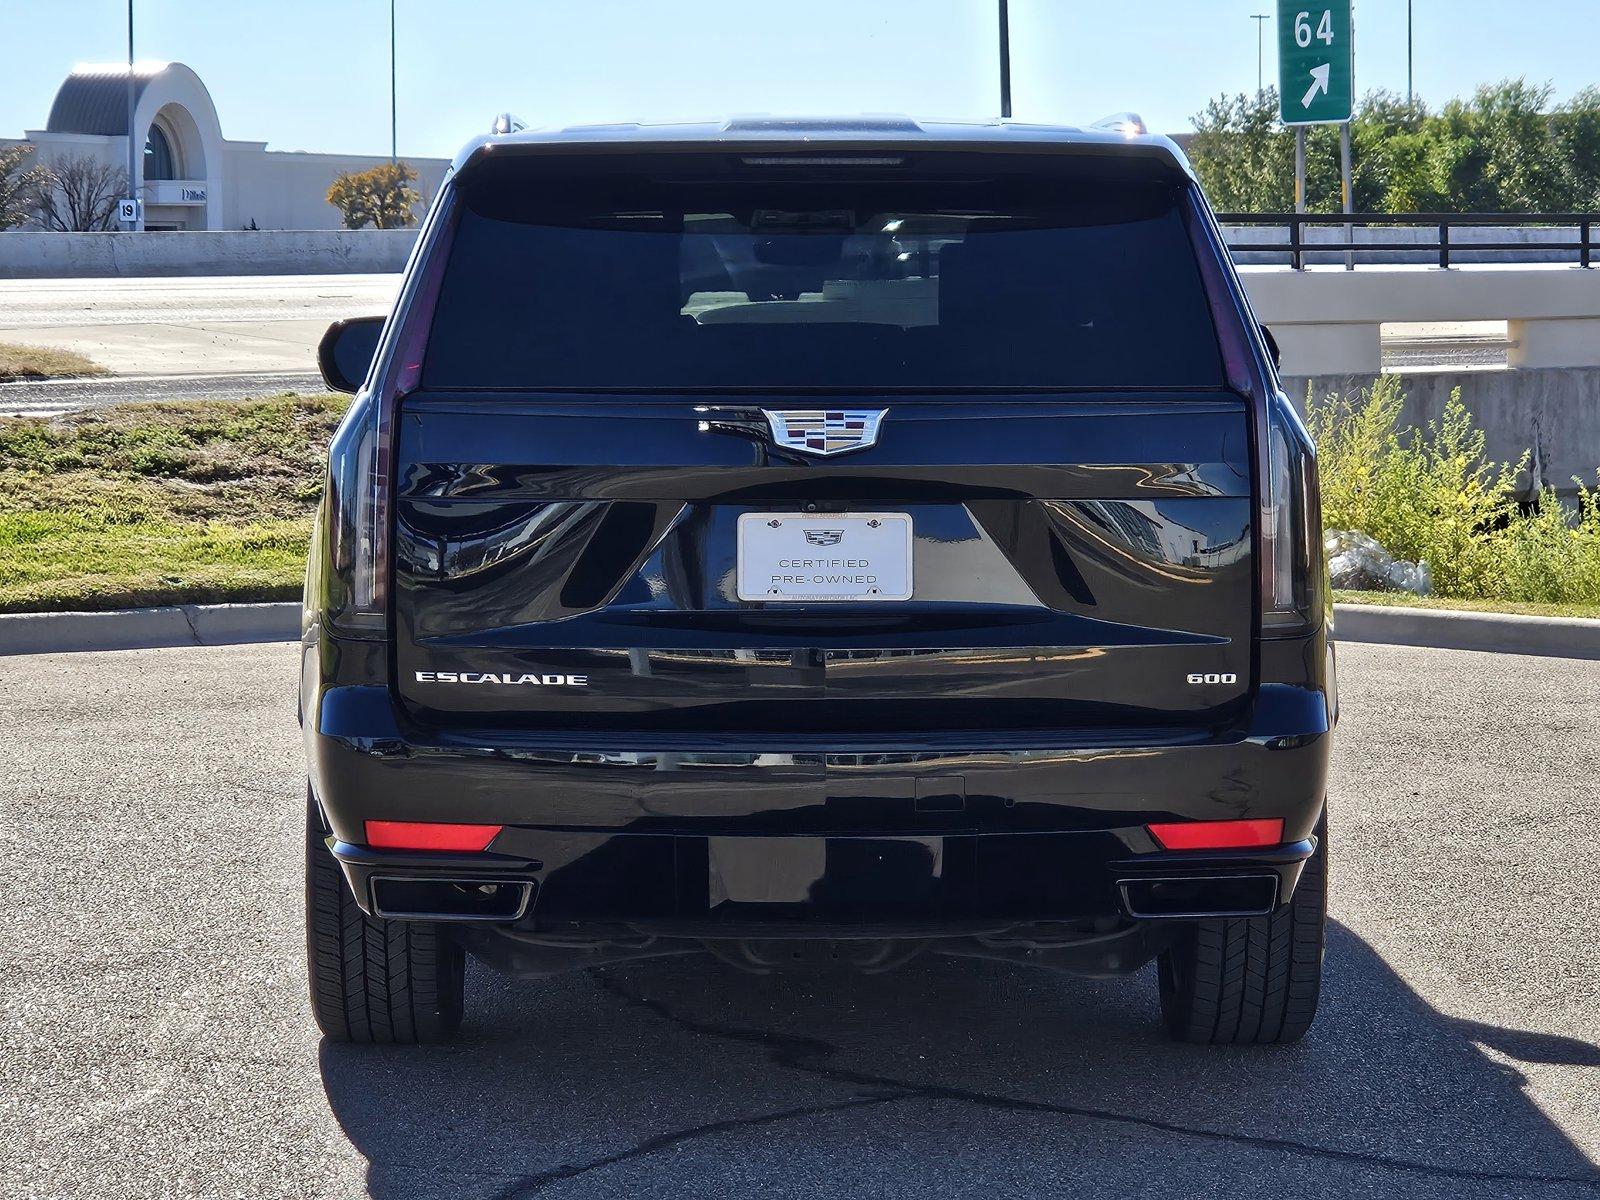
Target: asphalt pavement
pixel 48 398
pixel 265 325
pixel 157 1039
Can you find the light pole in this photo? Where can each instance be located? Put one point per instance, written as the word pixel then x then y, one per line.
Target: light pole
pixel 394 103
pixel 1005 59
pixel 1410 95
pixel 1260 19
pixel 133 147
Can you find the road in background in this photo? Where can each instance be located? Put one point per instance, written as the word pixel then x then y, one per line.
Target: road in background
pixel 157 1040
pixel 266 324
pixel 48 398
pixel 1444 345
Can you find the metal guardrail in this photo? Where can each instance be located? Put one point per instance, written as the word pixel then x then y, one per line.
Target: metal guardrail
pixel 1585 245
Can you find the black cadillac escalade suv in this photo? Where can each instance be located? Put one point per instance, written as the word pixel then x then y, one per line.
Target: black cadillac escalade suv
pixel 817 541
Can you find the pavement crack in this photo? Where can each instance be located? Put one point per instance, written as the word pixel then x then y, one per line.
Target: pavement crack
pixel 531 1185
pixel 793 1052
pixel 188 615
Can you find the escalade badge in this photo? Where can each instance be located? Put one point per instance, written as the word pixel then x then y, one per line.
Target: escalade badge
pixel 825 430
pixel 504 678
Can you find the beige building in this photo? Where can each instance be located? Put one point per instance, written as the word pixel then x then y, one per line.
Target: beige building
pixel 189 176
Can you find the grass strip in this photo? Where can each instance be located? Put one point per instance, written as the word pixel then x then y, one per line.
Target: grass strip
pixel 43 362
pixel 143 504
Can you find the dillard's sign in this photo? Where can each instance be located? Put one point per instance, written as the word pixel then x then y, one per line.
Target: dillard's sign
pixel 169 191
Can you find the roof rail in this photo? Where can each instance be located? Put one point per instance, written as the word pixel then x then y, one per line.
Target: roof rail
pixel 1129 124
pixel 508 123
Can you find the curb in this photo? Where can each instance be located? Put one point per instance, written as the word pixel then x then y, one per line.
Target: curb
pixel 1452 629
pixel 232 624
pixel 138 628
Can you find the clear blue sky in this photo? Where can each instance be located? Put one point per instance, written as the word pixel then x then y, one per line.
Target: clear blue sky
pixel 314 74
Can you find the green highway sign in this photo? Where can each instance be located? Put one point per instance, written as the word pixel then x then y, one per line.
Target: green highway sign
pixel 1316 61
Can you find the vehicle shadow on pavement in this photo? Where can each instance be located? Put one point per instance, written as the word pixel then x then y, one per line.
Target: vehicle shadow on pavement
pixel 685 1078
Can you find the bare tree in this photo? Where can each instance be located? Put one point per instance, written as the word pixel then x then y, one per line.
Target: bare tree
pixel 19 185
pixel 78 195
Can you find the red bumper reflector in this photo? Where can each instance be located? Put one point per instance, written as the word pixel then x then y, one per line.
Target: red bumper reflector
pixel 1217 835
pixel 429 835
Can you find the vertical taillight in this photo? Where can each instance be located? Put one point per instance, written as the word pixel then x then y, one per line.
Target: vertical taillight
pixel 1290 522
pixel 1288 550
pixel 361 456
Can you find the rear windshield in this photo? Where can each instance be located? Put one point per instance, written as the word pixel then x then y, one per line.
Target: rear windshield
pixel 1050 274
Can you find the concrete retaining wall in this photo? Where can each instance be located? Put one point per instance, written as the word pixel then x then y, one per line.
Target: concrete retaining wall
pixel 327 251
pixel 1554 413
pixel 32 255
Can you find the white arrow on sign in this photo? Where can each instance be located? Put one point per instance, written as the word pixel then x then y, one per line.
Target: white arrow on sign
pixel 1319 83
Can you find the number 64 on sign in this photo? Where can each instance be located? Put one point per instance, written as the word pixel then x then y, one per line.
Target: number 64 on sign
pixel 1316 61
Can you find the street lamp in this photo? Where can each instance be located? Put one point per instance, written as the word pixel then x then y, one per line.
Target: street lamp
pixel 1410 95
pixel 133 224
pixel 1005 59
pixel 1260 19
pixel 394 108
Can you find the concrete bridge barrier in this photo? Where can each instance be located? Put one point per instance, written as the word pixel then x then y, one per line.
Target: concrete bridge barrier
pixel 38 255
pixel 1328 320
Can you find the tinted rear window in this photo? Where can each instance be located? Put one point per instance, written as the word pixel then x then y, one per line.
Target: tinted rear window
pixel 1065 274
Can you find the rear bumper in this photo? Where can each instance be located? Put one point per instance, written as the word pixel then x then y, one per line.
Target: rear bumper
pixel 707 841
pixel 740 886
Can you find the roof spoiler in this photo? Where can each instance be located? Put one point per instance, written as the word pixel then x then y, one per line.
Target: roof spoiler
pixel 508 123
pixel 1129 124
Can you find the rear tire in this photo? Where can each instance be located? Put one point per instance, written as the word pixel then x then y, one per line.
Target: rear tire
pixel 1251 981
pixel 372 981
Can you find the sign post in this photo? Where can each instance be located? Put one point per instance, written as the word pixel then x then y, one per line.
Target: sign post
pixel 1299 168
pixel 1344 192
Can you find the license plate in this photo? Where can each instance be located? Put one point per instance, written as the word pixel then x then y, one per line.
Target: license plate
pixel 844 556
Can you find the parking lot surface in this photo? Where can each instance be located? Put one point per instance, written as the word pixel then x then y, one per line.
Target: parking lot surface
pixel 157 1039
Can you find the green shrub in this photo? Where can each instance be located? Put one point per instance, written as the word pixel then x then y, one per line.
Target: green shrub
pixel 1550 555
pixel 1431 495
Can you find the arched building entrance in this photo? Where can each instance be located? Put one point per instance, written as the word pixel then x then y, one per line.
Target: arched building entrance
pixel 175 124
pixel 186 174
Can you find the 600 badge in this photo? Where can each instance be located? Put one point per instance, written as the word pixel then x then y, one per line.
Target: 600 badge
pixel 1214 677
